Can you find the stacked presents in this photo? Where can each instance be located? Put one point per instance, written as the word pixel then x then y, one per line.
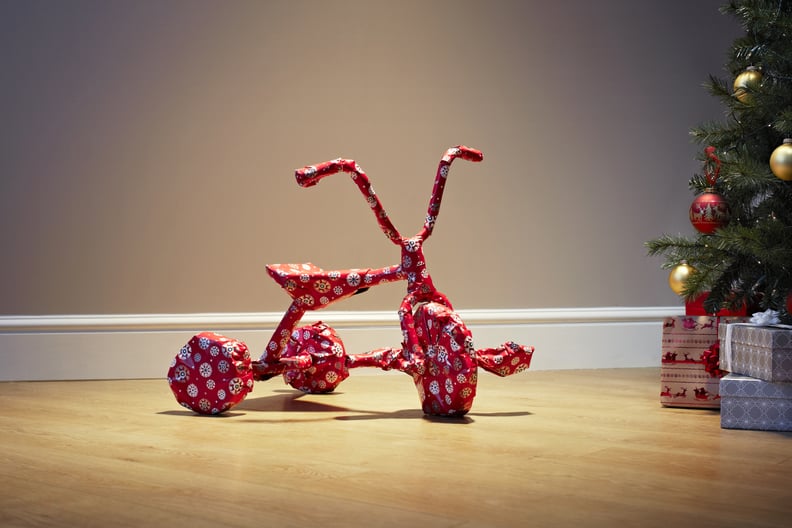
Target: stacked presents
pixel 757 392
pixel 726 361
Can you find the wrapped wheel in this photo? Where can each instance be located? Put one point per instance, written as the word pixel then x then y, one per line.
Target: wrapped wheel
pixel 315 358
pixel 446 379
pixel 211 373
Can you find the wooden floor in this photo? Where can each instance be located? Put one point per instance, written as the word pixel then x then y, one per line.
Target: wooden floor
pixel 545 448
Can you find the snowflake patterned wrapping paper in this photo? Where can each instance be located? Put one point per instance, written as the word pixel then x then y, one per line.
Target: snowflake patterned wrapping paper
pixel 444 366
pixel 684 379
pixel 317 359
pixel 314 288
pixel 211 373
pixel 446 378
pixel 750 403
pixel 762 352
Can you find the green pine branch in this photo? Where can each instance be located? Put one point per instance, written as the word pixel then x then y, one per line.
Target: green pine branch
pixel 749 259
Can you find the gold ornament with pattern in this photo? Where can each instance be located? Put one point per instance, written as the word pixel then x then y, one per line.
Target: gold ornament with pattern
pixel 746 83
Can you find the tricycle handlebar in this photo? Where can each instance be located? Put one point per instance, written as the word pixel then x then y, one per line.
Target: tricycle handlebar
pixel 469 154
pixel 310 175
pixel 460 151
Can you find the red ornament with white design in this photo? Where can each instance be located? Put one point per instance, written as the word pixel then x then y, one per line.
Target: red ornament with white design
pixel 709 211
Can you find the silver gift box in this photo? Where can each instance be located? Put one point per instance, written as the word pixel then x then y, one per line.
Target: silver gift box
pixel 750 403
pixel 762 352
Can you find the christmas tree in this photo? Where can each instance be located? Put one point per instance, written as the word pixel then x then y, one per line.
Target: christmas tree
pixel 741 255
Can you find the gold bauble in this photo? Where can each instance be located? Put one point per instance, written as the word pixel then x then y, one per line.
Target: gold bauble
pixel 678 276
pixel 781 160
pixel 747 82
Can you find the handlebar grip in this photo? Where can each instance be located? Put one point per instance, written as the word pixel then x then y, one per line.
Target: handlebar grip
pixel 470 154
pixel 310 175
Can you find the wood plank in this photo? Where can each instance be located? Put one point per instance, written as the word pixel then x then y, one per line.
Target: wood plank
pixel 551 448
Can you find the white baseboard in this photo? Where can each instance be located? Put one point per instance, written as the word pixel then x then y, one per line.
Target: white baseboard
pixel 74 347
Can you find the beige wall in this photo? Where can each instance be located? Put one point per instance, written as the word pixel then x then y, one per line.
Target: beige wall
pixel 147 148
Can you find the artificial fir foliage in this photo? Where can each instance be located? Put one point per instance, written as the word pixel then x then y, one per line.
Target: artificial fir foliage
pixel 747 261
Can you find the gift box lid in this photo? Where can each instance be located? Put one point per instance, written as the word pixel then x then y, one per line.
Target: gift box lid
pixel 699 325
pixel 691 323
pixel 737 386
pixel 775 337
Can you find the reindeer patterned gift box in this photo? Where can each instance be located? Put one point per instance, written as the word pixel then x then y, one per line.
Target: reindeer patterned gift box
pixel 750 403
pixel 762 352
pixel 689 376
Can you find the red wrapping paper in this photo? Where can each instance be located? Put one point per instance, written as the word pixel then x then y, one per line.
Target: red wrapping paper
pixel 315 359
pixel 211 373
pixel 437 349
pixel 696 307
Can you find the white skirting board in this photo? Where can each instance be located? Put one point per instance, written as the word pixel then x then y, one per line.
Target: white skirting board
pixel 76 347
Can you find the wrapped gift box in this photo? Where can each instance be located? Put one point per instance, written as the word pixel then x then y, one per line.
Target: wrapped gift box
pixel 762 352
pixel 684 379
pixel 750 403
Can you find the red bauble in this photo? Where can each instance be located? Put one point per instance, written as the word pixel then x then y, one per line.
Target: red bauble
pixel 789 302
pixel 708 212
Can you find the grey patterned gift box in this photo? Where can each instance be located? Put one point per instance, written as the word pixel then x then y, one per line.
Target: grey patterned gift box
pixel 750 403
pixel 763 352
